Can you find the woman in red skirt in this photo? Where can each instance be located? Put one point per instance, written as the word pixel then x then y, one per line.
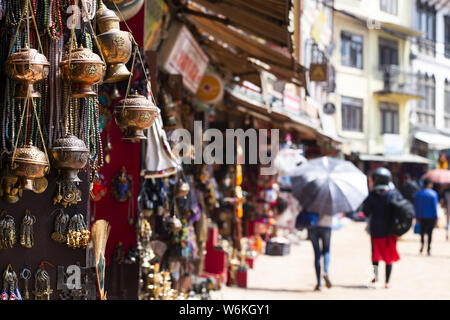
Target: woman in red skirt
pixel 384 245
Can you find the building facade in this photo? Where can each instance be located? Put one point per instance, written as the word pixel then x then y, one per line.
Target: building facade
pixel 375 83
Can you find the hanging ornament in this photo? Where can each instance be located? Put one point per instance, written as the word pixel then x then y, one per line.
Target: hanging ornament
pixel 27 66
pixel 42 289
pixel 78 235
pixel 83 68
pixel 115 44
pixel 69 156
pixel 99 188
pixel 10 190
pixel 61 225
pixel 26 275
pixel 135 114
pixel 10 285
pixel 7 231
pixel 29 163
pixel 122 186
pixel 26 230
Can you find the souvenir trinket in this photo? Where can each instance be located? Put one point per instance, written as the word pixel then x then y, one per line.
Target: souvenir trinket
pixel 115 44
pixel 82 68
pixel 10 190
pixel 61 226
pixel 78 235
pixel 99 188
pixel 122 186
pixel 42 289
pixel 69 156
pixel 68 194
pixel 27 66
pixel 181 189
pixel 29 163
pixel 26 275
pixel 26 230
pixel 10 285
pixel 135 114
pixel 7 231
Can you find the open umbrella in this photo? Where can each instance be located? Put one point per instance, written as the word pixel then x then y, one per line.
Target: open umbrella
pixel 438 176
pixel 329 186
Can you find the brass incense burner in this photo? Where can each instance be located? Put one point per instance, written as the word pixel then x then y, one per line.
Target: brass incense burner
pixel 27 66
pixel 115 44
pixel 29 163
pixel 69 155
pixel 83 68
pixel 134 114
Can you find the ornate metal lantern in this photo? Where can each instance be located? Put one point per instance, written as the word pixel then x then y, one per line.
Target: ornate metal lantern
pixel 69 155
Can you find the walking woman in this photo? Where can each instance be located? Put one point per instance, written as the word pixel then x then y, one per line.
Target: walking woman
pixel 320 236
pixel 376 207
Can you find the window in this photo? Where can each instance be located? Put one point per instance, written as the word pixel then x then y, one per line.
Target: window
pixel 426 23
pixel 351 110
pixel 389 6
pixel 389 117
pixel 447 104
pixel 388 52
pixel 351 50
pixel 447 35
pixel 425 109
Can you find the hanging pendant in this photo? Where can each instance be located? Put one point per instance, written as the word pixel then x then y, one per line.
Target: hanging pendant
pixel 42 290
pixel 26 230
pixel 78 235
pixel 61 225
pixel 7 231
pixel 122 186
pixel 26 275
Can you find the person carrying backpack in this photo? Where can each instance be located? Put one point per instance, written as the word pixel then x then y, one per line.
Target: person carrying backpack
pixel 425 205
pixel 378 208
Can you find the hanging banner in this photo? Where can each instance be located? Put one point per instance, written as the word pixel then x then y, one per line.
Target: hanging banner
pixel 156 12
pixel 181 54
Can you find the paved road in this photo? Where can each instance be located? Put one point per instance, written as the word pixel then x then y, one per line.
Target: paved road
pixel 292 277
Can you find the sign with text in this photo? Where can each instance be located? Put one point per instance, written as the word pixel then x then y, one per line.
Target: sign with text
pixel 318 72
pixel 181 54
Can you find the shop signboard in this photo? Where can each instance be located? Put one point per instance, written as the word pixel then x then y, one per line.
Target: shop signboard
pixel 181 54
pixel 211 89
pixel 318 72
pixel 393 144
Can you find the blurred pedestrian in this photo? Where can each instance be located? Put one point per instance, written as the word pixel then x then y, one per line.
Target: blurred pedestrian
pixel 377 208
pixel 425 206
pixel 409 188
pixel 446 200
pixel 321 233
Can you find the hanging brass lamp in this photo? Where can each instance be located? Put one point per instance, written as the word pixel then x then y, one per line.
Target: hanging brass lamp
pixel 115 44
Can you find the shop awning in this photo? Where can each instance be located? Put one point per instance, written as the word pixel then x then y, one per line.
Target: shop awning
pixel 274 60
pixel 434 140
pixel 268 19
pixel 404 158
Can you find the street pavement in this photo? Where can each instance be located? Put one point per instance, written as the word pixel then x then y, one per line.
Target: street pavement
pixel 292 277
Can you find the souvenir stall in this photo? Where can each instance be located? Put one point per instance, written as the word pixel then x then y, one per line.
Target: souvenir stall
pixel 51 148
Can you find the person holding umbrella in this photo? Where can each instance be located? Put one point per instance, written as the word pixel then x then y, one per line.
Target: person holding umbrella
pixel 376 207
pixel 327 186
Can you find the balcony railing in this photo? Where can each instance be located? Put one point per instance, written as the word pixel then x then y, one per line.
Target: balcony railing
pixel 398 81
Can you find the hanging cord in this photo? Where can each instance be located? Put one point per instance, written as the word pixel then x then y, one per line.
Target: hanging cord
pixel 138 52
pixel 130 78
pixel 93 32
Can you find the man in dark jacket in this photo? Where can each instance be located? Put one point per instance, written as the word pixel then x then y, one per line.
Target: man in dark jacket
pixel 425 205
pixel 409 188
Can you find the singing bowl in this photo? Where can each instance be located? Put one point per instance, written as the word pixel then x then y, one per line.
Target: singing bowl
pixel 69 156
pixel 116 47
pixel 85 69
pixel 27 66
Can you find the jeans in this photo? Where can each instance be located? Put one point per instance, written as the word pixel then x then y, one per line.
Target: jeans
pixel 426 227
pixel 324 234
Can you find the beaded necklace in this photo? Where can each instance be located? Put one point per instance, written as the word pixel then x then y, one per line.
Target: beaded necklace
pixel 52 12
